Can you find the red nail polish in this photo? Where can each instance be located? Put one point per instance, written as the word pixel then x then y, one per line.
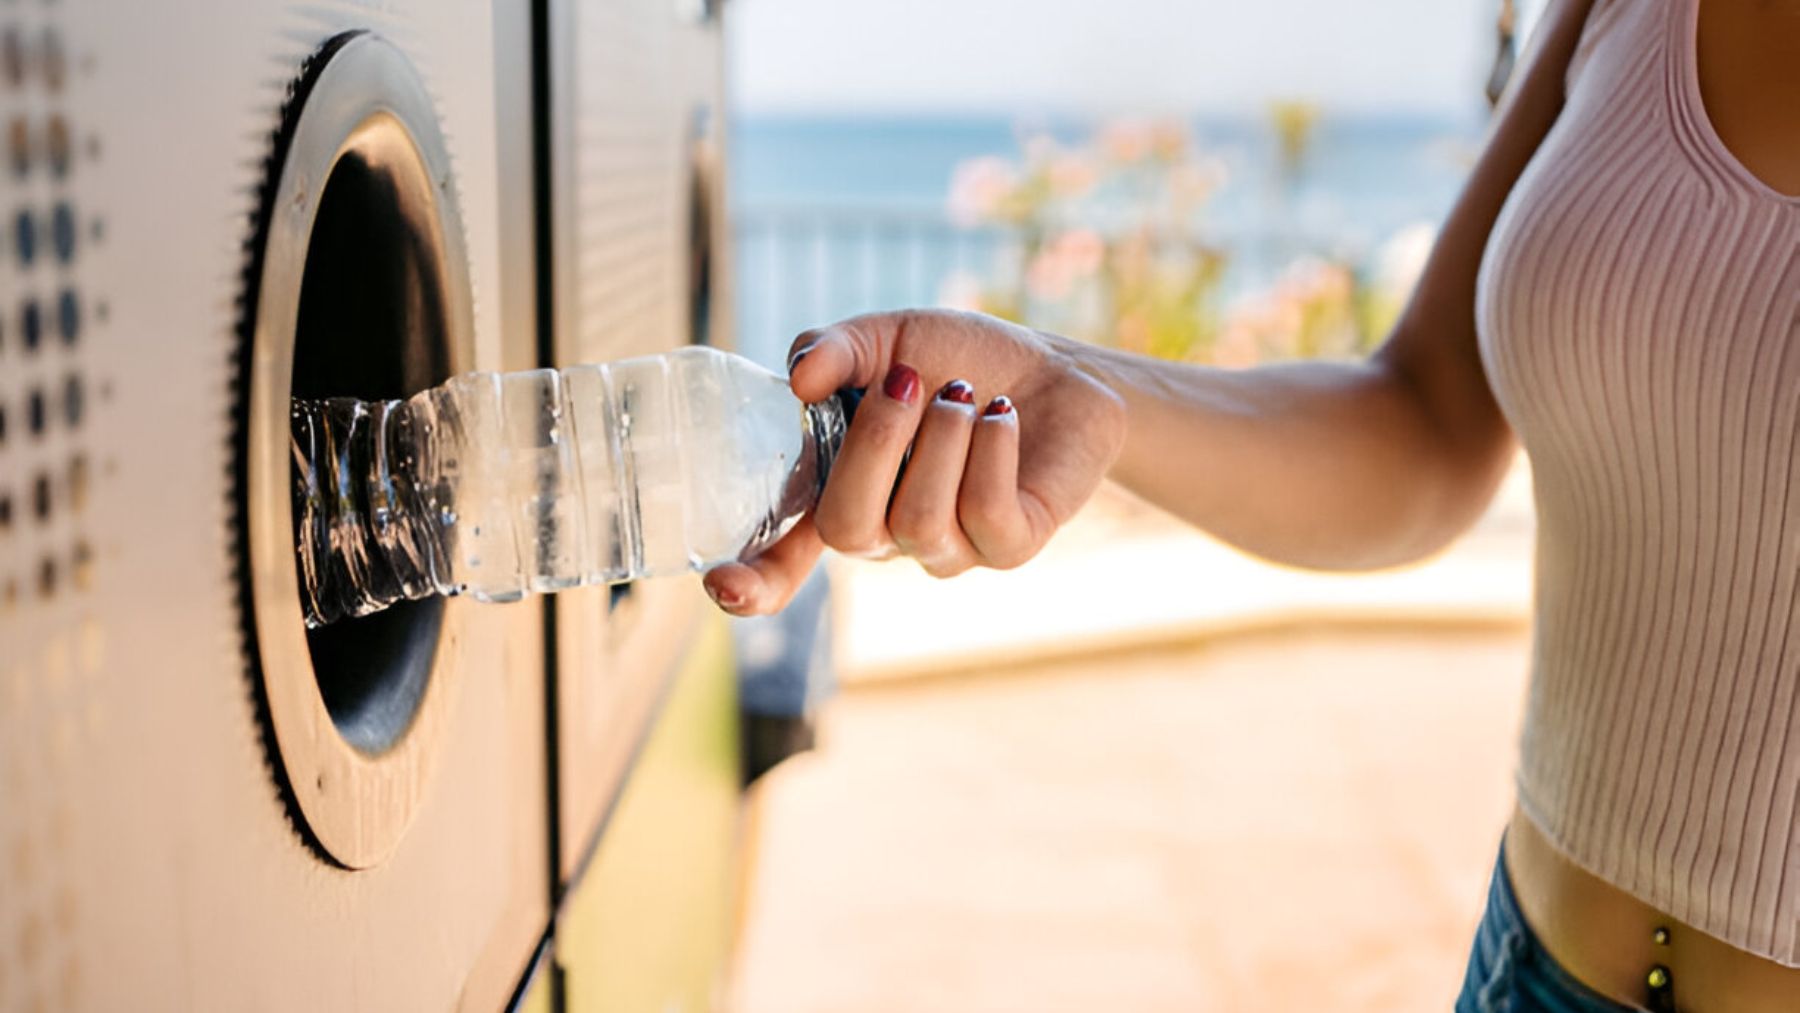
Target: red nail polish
pixel 957 392
pixel 725 599
pixel 902 383
pixel 998 407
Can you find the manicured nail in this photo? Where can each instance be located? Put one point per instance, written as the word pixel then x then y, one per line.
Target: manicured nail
pixel 725 599
pixel 795 356
pixel 957 392
pixel 902 383
pixel 999 407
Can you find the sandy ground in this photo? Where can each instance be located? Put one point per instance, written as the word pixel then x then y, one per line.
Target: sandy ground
pixel 1281 822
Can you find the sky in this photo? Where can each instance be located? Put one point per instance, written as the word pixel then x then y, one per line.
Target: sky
pixel 1107 56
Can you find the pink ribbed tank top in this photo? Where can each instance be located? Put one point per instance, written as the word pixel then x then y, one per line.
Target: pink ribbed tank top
pixel 1639 310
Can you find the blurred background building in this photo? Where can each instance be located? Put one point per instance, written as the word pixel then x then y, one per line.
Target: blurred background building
pixel 1145 771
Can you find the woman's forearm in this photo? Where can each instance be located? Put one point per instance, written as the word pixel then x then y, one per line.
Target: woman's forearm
pixel 1334 465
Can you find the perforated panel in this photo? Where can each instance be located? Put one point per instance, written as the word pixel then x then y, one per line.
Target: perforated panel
pixel 147 859
pixel 53 399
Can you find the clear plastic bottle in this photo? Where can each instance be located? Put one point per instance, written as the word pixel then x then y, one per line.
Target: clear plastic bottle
pixel 499 485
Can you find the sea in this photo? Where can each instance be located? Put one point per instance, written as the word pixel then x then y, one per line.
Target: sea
pixel 835 215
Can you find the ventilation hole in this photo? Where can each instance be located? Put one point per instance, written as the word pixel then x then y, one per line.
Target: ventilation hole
pixel 18 146
pixel 62 231
pixel 57 145
pixel 47 577
pixel 12 58
pixel 68 316
pixel 25 238
pixel 52 61
pixel 40 498
pixel 35 409
pixel 81 566
pixel 6 511
pixel 31 325
pixel 74 401
pixel 78 483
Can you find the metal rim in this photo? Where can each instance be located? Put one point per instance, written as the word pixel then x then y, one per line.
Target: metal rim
pixel 365 101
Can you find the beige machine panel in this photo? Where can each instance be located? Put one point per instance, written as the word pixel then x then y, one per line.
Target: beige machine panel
pixel 635 145
pixel 154 850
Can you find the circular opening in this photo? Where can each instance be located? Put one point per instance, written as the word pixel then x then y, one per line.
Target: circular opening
pixel 372 325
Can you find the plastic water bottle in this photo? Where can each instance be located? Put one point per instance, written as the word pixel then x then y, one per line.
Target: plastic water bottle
pixel 499 485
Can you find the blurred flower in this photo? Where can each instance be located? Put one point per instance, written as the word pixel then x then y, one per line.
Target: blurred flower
pixel 1072 257
pixel 1072 174
pixel 1104 243
pixel 961 291
pixel 1126 141
pixel 1294 121
pixel 981 189
pixel 1193 182
pixel 1170 140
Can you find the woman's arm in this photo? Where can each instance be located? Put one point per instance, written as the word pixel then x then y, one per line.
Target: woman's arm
pixel 1352 465
pixel 1336 465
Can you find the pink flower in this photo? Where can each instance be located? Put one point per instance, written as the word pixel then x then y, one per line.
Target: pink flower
pixel 1082 250
pixel 1170 139
pixel 980 189
pixel 1126 141
pixel 1072 174
pixel 961 291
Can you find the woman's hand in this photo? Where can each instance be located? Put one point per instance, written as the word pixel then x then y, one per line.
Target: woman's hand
pixel 1008 438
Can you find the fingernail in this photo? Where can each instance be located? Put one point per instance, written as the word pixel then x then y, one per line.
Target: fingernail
pixel 725 599
pixel 902 383
pixel 795 356
pixel 999 407
pixel 957 392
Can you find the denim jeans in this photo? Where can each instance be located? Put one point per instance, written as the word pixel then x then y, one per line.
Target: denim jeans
pixel 1511 972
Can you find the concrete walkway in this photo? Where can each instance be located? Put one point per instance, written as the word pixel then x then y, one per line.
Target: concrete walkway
pixel 1280 823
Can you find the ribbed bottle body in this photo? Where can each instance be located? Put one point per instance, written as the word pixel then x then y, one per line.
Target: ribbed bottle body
pixel 501 485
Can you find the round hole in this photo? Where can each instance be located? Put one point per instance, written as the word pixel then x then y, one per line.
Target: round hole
pixel 371 326
pixel 51 59
pixel 68 316
pixel 62 231
pixel 78 483
pixel 12 57
pixel 57 145
pixel 37 414
pixel 74 400
pixel 18 146
pixel 6 511
pixel 360 290
pixel 25 237
pixel 40 498
pixel 81 566
pixel 31 325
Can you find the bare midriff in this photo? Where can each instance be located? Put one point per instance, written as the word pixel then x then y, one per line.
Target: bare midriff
pixel 1607 938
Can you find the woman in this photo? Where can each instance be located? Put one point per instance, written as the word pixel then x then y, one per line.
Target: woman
pixel 1619 285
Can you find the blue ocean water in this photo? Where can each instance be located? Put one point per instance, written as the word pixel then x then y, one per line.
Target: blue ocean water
pixel 838 215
